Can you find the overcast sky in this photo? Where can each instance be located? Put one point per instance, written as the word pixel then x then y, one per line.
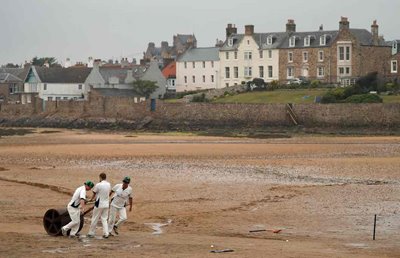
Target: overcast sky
pixel 122 28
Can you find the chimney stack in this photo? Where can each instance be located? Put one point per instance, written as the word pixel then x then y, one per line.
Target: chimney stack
pixel 249 30
pixel 344 23
pixel 321 27
pixel 230 29
pixel 290 26
pixel 375 33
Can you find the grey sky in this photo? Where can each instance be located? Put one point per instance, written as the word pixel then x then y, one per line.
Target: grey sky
pixel 122 28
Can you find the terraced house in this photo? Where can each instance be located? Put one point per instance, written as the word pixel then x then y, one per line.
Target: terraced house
pixel 334 56
pixel 249 55
pixel 198 69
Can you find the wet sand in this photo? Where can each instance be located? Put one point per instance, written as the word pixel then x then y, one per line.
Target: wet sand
pixel 207 193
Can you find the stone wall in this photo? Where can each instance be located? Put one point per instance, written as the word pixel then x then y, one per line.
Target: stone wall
pixel 204 115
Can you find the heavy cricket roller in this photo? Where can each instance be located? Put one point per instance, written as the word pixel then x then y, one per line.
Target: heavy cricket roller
pixel 54 220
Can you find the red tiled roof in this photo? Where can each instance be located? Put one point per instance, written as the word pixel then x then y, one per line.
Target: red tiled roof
pixel 170 70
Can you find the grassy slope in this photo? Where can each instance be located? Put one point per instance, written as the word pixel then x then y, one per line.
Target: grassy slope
pixel 287 96
pixel 277 96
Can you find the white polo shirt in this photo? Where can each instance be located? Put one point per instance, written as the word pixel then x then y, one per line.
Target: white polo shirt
pixel 102 191
pixel 121 196
pixel 80 193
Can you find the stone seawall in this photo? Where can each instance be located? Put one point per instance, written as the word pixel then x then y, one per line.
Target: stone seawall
pixel 123 112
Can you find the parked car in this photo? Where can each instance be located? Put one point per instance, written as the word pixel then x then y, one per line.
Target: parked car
pixel 294 81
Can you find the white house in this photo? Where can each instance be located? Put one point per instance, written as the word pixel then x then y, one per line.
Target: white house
pixel 55 83
pixel 198 69
pixel 244 57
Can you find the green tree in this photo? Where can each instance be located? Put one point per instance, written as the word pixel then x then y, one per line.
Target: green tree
pixel 52 61
pixel 144 87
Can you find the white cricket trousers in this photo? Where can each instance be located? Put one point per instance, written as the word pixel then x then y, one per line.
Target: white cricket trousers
pixel 113 213
pixel 99 213
pixel 75 215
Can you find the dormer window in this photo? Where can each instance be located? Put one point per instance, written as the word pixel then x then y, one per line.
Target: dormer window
pixel 322 40
pixel 230 42
pixel 292 41
pixel 270 40
pixel 307 41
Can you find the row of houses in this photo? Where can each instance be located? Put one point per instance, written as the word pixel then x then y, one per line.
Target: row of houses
pixel 21 85
pixel 331 56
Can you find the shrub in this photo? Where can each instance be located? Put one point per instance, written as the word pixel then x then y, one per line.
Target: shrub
pixel 315 84
pixel 329 97
pixel 364 98
pixel 200 98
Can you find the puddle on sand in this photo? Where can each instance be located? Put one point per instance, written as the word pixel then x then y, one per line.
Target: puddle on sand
pixel 358 245
pixel 157 227
pixel 56 251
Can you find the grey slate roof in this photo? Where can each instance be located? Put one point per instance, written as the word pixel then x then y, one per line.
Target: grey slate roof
pixel 20 73
pixel 281 39
pixel 108 72
pixel 200 54
pixel 63 75
pixel 116 92
pixel 9 78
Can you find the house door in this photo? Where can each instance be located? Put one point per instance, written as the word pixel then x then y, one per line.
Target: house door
pixel 305 72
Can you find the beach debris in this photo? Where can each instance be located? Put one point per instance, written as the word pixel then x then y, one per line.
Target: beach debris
pixel 222 251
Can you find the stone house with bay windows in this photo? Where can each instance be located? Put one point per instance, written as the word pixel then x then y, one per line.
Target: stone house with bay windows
pixel 333 56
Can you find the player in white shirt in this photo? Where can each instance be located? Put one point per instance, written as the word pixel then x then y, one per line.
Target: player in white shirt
pixel 101 193
pixel 122 194
pixel 75 207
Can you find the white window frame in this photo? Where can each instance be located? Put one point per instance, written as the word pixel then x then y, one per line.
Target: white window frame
pixel 270 71
pixel 261 71
pixel 248 55
pixel 307 41
pixel 321 56
pixel 393 66
pixel 248 71
pixel 290 72
pixel 270 40
pixel 230 42
pixel 322 40
pixel 292 41
pixel 344 53
pixel 235 72
pixel 227 72
pixel 320 71
pixel 305 56
pixel 290 57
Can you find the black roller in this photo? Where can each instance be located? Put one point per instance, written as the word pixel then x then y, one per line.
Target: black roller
pixel 54 220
